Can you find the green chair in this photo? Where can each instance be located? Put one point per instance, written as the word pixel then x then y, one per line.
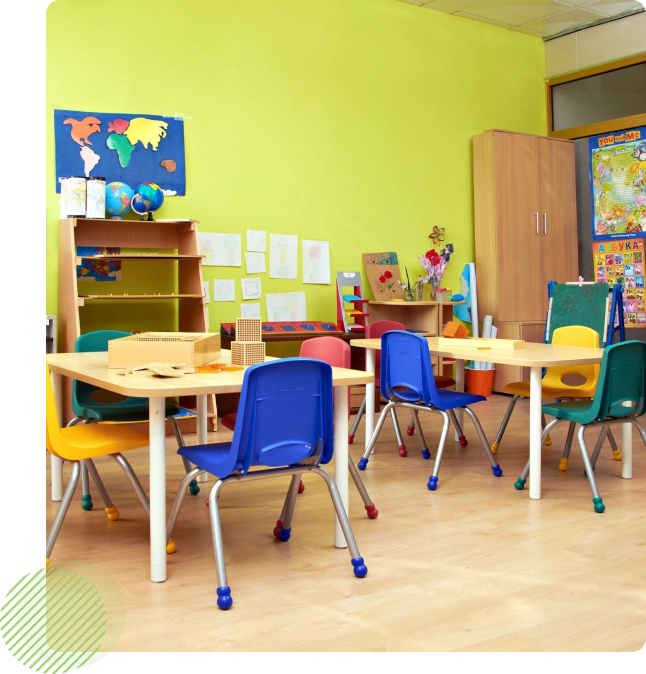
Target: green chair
pixel 91 404
pixel 619 399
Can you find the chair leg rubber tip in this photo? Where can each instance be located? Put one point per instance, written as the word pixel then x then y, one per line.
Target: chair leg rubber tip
pixel 86 502
pixel 194 487
pixel 350 439
pixel 360 569
pixel 463 441
pixel 520 484
pixel 410 430
pixel 402 450
pixel 426 453
pixel 170 547
pixel 113 513
pixel 497 470
pixel 372 511
pixel 616 455
pixel 494 447
pixel 598 504
pixel 225 602
pixel 363 462
pixel 277 528
pixel 301 487
pixel 285 533
pixel 432 483
pixel 563 464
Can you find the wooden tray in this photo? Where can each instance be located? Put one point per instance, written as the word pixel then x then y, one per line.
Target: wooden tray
pixel 481 343
pixel 191 348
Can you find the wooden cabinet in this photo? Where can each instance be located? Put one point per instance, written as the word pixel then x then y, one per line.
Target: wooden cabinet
pixel 525 229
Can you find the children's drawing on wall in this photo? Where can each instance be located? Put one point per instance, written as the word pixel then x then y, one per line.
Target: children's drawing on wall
pixel 283 256
pixel 286 307
pixel 122 148
pixel 617 173
pixel 250 310
pixel 224 290
pixel 255 263
pixel 257 240
pixel 98 269
pixel 316 261
pixel 220 250
pixel 251 289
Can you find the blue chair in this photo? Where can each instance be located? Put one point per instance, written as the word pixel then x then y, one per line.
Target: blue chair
pixel 284 426
pixel 407 381
pixel 92 404
pixel 619 399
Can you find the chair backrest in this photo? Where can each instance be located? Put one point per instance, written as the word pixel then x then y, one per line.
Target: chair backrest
pixel 406 371
pixel 375 331
pixel 330 350
pixel 581 336
pixel 620 391
pixel 53 437
pixel 285 410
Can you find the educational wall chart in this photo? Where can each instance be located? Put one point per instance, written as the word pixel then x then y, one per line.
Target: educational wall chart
pixel 255 263
pixel 220 250
pixel 100 269
pixel 283 256
pixel 121 147
pixel 257 240
pixel 251 288
pixel 316 261
pixel 618 182
pixel 286 307
pixel 622 261
pixel 224 290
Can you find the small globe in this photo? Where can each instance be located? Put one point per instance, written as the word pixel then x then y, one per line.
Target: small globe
pixel 148 198
pixel 118 197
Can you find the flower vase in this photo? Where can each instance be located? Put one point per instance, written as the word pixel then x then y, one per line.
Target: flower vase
pixel 433 292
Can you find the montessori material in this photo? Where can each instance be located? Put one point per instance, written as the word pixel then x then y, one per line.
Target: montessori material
pixel 351 314
pixel 190 348
pixel 481 343
pixel 248 349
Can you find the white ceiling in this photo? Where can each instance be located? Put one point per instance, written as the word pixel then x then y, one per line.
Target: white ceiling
pixel 543 18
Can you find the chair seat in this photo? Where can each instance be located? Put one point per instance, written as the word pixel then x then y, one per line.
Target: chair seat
pixel 213 458
pixel 446 400
pixel 571 410
pixel 443 382
pixel 521 388
pixel 87 441
pixel 130 409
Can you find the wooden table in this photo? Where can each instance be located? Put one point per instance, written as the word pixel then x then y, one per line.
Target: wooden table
pixel 534 356
pixel 92 368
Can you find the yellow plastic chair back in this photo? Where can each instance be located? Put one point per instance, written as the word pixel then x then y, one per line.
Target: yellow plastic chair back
pixel 574 335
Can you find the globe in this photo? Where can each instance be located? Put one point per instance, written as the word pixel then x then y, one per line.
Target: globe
pixel 118 197
pixel 148 198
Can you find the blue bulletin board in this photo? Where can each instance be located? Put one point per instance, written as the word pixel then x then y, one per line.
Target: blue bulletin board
pixel 121 147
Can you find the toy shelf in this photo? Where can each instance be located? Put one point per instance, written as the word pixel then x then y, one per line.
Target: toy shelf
pixel 194 296
pixel 135 256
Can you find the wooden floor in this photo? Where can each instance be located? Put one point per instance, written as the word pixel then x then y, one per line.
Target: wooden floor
pixel 474 566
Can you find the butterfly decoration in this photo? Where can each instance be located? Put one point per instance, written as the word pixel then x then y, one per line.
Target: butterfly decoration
pixel 437 234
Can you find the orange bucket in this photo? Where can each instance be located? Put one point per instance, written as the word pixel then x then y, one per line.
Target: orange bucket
pixel 480 382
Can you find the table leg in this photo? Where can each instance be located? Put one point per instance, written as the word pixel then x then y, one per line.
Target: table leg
pixel 535 431
pixel 459 386
pixel 202 428
pixel 627 451
pixel 157 430
pixel 341 456
pixel 56 464
pixel 370 397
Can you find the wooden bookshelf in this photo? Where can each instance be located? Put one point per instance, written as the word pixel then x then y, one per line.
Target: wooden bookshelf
pixel 186 310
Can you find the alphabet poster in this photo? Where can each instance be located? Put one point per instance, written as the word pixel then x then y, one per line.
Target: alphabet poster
pixel 618 181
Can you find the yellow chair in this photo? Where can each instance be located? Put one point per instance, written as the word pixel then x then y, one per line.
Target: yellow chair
pixel 82 444
pixel 555 388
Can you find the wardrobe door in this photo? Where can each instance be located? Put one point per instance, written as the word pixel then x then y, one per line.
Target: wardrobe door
pixel 518 228
pixel 558 213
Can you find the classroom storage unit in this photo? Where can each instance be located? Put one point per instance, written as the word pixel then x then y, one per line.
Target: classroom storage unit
pixel 525 230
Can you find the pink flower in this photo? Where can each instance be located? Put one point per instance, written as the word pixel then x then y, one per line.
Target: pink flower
pixel 382 279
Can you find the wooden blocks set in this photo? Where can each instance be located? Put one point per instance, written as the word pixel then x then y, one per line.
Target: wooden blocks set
pixel 190 348
pixel 248 349
pixel 481 343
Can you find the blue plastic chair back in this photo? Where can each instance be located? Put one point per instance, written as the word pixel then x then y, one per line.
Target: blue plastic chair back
pixel 406 371
pixel 622 380
pixel 285 410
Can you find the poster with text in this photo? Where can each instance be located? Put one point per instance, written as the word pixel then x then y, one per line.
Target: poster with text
pixel 618 184
pixel 622 261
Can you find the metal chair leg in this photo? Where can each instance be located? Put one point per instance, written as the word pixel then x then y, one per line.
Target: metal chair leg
pixel 86 499
pixel 225 601
pixel 548 440
pixel 426 452
pixel 177 504
pixel 616 452
pixel 193 487
pixel 521 481
pixel 598 446
pixel 360 569
pixel 458 428
pixel 113 513
pixel 363 461
pixel 283 528
pixel 503 425
pixel 400 442
pixel 596 498
pixel 363 492
pixel 411 425
pixel 565 459
pixel 432 480
pixel 357 420
pixel 136 485
pixel 62 509
pixel 74 421
pixel 496 469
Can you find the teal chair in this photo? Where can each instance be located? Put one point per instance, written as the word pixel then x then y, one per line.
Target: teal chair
pixel 619 399
pixel 91 404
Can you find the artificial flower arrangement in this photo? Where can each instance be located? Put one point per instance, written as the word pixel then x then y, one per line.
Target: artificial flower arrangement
pixel 435 264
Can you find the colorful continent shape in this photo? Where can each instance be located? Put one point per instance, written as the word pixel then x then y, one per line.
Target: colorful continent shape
pixel 122 146
pixel 146 131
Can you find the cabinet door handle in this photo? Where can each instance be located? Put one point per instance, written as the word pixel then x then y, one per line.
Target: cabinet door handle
pixel 544 223
pixel 537 222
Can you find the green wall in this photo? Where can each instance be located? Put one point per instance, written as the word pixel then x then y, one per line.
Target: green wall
pixel 346 120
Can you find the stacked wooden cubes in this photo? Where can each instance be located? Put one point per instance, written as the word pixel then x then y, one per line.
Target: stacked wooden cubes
pixel 248 348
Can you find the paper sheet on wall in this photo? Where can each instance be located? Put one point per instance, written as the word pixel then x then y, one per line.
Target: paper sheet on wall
pixel 283 256
pixel 207 292
pixel 316 261
pixel 224 290
pixel 251 310
pixel 257 240
pixel 251 288
pixel 286 307
pixel 255 263
pixel 220 250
